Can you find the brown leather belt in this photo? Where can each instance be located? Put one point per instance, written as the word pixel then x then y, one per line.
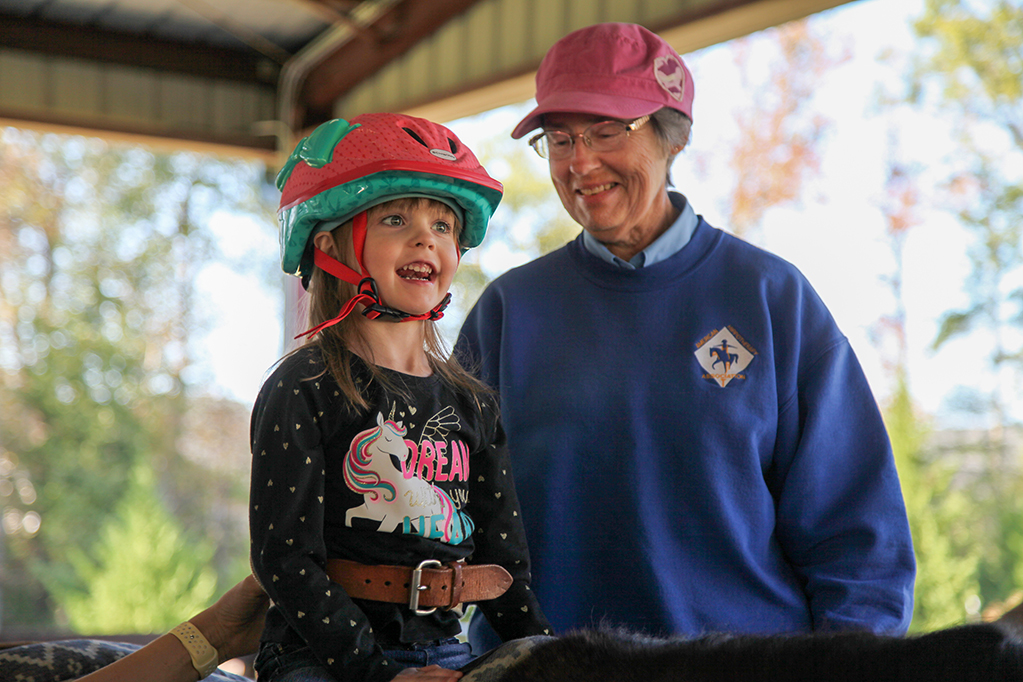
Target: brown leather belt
pixel 430 584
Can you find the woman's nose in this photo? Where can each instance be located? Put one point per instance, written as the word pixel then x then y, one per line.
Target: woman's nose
pixel 583 159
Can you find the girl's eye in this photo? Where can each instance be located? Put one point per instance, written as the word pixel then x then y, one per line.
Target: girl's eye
pixel 392 220
pixel 442 227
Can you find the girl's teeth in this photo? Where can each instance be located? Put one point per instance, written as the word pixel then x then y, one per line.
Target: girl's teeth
pixel 416 271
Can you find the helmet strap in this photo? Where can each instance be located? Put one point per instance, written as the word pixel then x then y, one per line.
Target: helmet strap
pixel 367 293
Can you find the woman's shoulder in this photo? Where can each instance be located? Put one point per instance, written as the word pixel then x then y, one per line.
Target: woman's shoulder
pixel 749 257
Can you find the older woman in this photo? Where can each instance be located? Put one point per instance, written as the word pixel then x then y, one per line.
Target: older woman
pixel 696 447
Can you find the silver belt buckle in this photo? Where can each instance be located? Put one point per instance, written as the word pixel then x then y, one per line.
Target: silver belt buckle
pixel 416 587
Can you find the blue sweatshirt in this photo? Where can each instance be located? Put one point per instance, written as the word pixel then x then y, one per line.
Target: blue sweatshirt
pixel 695 445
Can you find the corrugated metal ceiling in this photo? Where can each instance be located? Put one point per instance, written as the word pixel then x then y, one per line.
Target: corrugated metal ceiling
pixel 245 75
pixel 286 25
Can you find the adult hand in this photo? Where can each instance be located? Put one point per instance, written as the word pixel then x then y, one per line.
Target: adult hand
pixel 431 673
pixel 233 624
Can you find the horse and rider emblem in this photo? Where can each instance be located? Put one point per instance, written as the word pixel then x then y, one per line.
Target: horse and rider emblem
pixel 724 355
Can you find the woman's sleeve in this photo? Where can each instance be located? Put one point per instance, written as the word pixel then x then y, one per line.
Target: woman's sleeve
pixel 841 517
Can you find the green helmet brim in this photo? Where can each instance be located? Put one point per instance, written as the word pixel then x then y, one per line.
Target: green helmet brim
pixel 342 202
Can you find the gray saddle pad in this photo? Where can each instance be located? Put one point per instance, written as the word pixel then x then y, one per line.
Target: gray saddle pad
pixel 69 660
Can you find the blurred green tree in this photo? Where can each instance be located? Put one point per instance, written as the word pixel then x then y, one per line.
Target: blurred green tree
pixel 940 519
pixel 970 69
pixel 939 516
pixel 100 247
pixel 145 571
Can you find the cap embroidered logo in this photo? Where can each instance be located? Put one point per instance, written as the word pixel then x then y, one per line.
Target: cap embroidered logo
pixel 671 76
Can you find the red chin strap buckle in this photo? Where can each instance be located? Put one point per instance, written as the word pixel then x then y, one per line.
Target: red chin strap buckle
pixel 373 309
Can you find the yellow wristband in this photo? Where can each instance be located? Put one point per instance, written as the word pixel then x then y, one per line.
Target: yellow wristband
pixel 204 656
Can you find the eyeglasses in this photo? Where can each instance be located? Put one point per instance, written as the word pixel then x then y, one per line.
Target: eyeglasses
pixel 606 136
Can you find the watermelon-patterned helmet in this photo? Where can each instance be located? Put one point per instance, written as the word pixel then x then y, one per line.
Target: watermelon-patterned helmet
pixel 346 167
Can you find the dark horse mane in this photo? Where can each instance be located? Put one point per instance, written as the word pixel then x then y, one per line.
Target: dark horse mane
pixel 981 653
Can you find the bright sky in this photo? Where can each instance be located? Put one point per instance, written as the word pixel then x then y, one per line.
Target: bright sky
pixel 835 235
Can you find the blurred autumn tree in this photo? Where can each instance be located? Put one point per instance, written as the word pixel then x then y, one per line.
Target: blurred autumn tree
pixel 100 247
pixel 780 130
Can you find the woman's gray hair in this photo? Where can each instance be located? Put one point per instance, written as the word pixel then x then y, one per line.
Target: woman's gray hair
pixel 673 129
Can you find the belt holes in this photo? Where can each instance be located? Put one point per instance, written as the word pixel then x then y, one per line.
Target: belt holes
pixel 387 583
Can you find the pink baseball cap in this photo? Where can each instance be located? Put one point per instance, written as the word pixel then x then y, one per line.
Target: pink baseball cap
pixel 614 70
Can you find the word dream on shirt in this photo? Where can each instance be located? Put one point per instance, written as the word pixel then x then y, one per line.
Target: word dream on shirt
pixel 435 461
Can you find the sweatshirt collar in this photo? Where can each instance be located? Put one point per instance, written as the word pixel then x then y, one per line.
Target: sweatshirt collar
pixel 665 246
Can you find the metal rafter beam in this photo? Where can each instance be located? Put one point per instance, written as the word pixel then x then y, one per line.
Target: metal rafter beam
pixel 230 144
pixel 79 42
pixel 394 33
pixel 336 12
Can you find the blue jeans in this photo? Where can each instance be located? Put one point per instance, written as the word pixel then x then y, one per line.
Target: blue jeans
pixel 447 653
pixel 279 663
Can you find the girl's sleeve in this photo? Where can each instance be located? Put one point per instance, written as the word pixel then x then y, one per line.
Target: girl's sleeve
pixel 501 539
pixel 286 512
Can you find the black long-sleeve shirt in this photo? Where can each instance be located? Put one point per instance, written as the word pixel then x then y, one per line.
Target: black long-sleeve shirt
pixel 422 474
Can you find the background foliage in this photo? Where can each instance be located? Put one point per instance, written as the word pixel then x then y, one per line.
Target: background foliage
pixel 101 247
pixel 969 68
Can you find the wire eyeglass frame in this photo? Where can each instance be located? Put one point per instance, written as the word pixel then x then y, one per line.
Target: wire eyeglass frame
pixel 609 136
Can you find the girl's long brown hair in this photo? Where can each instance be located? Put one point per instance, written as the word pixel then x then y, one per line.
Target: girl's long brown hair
pixel 328 294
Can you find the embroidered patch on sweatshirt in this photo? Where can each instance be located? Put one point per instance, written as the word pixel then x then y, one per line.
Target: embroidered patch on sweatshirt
pixel 724 355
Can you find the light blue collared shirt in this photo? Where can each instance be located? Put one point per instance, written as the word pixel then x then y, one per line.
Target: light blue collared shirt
pixel 665 246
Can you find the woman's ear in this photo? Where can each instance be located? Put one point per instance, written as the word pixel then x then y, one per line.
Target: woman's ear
pixel 324 241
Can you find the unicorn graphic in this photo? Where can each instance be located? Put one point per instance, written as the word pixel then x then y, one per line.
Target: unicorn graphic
pixel 375 467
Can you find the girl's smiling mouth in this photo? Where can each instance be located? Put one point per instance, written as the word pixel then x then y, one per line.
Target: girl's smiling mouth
pixel 416 272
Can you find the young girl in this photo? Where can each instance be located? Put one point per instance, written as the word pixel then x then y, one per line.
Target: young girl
pixel 381 494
